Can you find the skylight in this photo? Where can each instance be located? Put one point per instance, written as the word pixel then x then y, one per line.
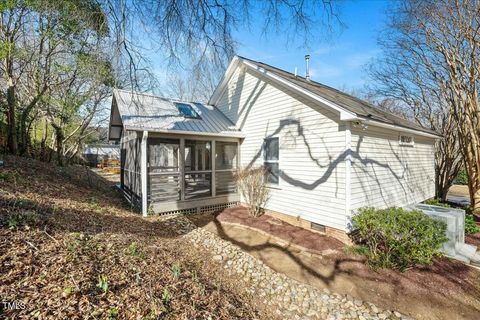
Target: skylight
pixel 186 110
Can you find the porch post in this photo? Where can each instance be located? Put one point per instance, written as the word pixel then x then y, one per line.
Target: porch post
pixel 213 155
pixel 144 173
pixel 182 169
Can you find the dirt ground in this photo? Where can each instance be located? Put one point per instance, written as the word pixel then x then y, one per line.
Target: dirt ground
pixel 445 290
pixel 70 248
pixel 111 177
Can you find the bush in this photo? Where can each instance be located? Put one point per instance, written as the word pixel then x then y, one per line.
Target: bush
pixel 470 224
pixel 251 184
pixel 461 178
pixel 399 239
pixel 436 202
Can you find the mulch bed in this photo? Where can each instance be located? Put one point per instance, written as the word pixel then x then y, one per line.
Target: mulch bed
pixel 473 239
pixel 444 278
pixel 275 227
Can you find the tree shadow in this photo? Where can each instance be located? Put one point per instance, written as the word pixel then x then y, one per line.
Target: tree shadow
pixel 438 280
pixel 326 279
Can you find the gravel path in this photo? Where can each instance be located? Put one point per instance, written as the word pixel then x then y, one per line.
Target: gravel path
pixel 291 299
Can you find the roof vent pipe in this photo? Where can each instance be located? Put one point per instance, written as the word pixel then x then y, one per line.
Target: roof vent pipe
pixel 295 72
pixel 307 71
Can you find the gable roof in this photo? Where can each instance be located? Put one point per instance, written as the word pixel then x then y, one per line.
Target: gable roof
pixel 350 107
pixel 141 111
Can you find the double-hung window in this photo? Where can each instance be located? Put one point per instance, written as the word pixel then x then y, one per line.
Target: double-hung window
pixel 271 160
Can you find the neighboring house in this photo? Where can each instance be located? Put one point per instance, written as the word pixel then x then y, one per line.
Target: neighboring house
pixel 328 153
pixel 95 153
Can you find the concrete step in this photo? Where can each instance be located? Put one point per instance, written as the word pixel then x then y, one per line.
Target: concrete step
pixel 476 258
pixel 462 258
pixel 465 249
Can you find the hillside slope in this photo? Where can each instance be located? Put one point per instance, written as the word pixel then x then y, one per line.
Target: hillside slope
pixel 71 248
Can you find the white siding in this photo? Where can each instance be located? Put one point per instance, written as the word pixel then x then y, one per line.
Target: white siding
pixel 312 146
pixel 386 174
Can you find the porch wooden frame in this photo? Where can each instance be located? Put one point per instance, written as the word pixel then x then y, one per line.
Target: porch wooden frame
pixel 214 199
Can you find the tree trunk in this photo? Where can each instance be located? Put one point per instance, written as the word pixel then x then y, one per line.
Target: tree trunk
pixel 476 202
pixel 43 145
pixel 11 123
pixel 59 136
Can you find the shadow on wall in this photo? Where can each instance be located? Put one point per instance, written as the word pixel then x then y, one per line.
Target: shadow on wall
pixel 372 170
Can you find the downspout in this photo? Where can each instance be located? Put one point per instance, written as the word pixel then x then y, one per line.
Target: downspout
pixel 348 170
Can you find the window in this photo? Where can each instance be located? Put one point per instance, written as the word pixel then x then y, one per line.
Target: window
pixel 271 157
pixel 225 166
pixel 186 110
pixel 198 169
pixel 226 155
pixel 405 140
pixel 163 155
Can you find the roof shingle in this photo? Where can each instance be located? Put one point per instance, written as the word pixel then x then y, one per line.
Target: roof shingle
pixel 350 103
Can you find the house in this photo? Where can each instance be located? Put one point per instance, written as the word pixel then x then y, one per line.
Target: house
pixel 328 153
pixel 95 153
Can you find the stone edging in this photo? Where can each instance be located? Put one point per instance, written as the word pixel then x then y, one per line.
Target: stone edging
pixel 290 298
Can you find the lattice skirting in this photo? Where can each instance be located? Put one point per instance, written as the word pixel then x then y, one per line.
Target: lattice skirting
pixel 201 209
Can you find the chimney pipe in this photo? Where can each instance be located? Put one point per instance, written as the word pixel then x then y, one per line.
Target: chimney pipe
pixel 307 71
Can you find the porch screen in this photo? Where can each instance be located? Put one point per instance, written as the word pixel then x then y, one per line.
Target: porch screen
pixel 198 169
pixel 163 170
pixel 225 166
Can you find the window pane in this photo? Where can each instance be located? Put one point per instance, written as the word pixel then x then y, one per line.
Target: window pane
pixel 186 110
pixel 271 149
pixel 272 172
pixel 163 155
pixel 197 155
pixel 226 155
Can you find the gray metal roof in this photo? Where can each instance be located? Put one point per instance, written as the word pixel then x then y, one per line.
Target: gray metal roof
pixel 140 111
pixel 350 103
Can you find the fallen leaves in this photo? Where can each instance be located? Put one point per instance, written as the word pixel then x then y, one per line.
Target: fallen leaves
pixel 82 254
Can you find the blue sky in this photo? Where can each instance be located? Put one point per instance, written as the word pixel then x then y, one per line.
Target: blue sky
pixel 339 62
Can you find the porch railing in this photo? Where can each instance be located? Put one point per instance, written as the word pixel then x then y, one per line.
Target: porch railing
pixel 164 186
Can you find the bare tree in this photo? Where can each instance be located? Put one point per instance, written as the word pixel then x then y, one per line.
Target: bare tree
pixel 40 42
pixel 198 35
pixel 415 74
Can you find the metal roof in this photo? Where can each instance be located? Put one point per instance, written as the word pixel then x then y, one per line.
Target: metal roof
pixel 113 150
pixel 350 103
pixel 141 111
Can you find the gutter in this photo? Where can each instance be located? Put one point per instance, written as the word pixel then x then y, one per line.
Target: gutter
pixel 398 128
pixel 192 133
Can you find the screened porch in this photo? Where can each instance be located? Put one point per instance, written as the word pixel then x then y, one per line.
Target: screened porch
pixel 186 172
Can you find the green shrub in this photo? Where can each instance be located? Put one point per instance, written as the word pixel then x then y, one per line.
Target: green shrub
pixel 470 224
pixel 461 178
pixel 436 202
pixel 397 238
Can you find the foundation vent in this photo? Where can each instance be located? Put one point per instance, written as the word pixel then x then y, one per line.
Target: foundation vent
pixel 317 227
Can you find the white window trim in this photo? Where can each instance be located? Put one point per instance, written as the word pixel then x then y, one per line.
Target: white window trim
pixel 401 143
pixel 268 184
